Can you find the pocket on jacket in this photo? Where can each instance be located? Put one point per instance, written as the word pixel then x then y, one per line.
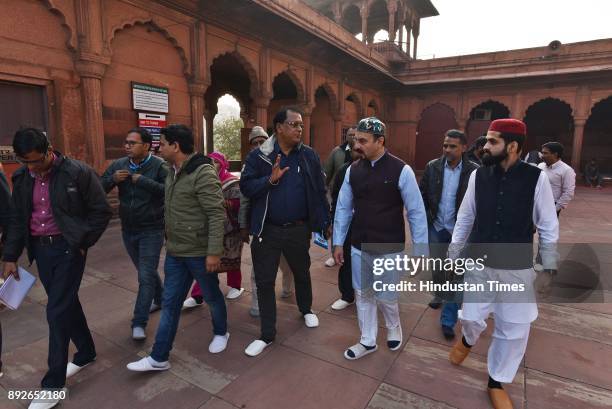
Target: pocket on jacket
pixel 188 233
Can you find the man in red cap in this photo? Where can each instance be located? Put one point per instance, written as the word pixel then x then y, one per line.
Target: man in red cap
pixel 504 201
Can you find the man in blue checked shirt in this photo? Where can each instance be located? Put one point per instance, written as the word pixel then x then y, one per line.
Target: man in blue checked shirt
pixel 374 193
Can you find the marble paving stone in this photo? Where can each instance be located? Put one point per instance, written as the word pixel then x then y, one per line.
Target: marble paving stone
pixel 390 397
pixel 548 391
pixel 423 368
pixel 569 357
pixel 574 322
pixel 24 325
pixel 216 403
pixel 289 379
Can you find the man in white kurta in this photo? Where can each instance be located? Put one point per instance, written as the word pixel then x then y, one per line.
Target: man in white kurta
pixel 493 211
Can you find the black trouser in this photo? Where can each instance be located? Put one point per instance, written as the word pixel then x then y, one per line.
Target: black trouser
pixel 293 242
pixel 345 273
pixel 60 268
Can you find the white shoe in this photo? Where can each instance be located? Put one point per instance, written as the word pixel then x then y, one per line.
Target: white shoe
pixel 148 364
pixel 234 293
pixel 330 262
pixel 359 351
pixel 394 338
pixel 191 303
pixel 154 307
pixel 72 369
pixel 311 320
pixel 218 343
pixel 138 333
pixel 340 304
pixel 256 347
pixel 43 403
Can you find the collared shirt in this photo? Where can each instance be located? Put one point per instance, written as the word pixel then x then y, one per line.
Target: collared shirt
pixel 287 200
pixel 544 219
pixel 413 202
pixel 562 181
pixel 42 222
pixel 445 219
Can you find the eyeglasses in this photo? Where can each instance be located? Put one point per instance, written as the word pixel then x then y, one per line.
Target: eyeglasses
pixel 295 124
pixel 132 143
pixel 33 162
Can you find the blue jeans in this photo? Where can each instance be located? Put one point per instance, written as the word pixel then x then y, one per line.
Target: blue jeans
pixel 180 273
pixel 144 248
pixel 448 316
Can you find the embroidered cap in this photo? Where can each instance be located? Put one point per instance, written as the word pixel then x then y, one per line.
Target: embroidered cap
pixel 371 125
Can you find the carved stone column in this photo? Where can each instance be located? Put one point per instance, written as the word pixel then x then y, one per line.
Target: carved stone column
pixel 91 70
pixel 392 9
pixel 337 128
pixel 307 109
pixel 261 110
pixel 577 145
pixel 196 95
pixel 365 12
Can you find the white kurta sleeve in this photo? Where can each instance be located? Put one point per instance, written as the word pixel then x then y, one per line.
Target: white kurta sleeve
pixel 465 219
pixel 344 211
pixel 546 222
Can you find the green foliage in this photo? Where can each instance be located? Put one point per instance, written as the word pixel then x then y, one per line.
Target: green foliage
pixel 226 137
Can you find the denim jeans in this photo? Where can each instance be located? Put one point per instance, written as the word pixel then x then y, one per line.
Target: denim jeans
pixel 448 315
pixel 179 274
pixel 144 248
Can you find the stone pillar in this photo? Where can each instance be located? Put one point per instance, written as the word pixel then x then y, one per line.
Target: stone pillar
pixel 306 119
pixel 337 11
pixel 365 12
pixel 412 138
pixel 577 145
pixel 261 111
pixel 337 128
pixel 196 94
pixel 415 33
pixel 209 145
pixel 91 73
pixel 392 9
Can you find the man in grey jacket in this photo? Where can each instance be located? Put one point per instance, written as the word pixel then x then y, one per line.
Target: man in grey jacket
pixel 140 178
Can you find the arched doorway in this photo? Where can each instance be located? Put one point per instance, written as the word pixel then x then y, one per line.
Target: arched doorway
pixel 230 74
pixel 378 19
pixel 481 117
pixel 285 92
pixel 134 53
pixel 549 120
pixel 351 19
pixel 597 142
pixel 322 126
pixel 227 127
pixel 372 109
pixel 435 121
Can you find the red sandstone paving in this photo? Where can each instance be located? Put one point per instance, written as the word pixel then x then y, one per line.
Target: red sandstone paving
pixel 568 361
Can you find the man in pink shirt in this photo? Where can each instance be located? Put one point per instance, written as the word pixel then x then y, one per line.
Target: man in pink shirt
pixel 58 210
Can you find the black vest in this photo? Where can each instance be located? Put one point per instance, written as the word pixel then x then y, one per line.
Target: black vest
pixel 378 204
pixel 504 214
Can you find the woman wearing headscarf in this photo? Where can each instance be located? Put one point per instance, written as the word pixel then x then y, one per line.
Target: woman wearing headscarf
pixel 232 240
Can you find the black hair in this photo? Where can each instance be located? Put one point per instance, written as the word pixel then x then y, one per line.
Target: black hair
pixel 281 116
pixel 180 134
pixel 28 140
pixel 513 137
pixel 554 147
pixel 456 134
pixel 145 136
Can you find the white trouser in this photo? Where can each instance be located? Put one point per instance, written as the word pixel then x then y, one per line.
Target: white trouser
pixel 366 299
pixel 287 281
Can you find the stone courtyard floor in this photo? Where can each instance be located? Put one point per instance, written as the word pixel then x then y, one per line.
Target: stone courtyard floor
pixel 568 363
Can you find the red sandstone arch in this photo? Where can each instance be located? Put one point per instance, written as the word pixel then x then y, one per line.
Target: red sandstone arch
pixel 373 109
pixel 354 97
pixel 434 121
pixel 322 127
pixel 478 126
pixel 299 87
pixel 66 25
pixel 597 137
pixel 246 65
pixel 149 22
pixel 331 94
pixel 351 19
pixel 549 119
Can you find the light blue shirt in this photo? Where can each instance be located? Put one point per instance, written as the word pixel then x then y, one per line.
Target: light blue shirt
pixel 447 213
pixel 413 202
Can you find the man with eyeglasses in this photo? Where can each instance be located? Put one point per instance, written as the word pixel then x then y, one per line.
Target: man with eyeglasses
pixel 257 137
pixel 58 211
pixel 285 183
pixel 140 177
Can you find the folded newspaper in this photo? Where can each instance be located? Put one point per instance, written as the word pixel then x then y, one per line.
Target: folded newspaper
pixel 14 291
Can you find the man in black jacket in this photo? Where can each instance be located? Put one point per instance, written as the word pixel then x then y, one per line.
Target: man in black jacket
pixel 140 178
pixel 5 198
pixel 443 185
pixel 58 211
